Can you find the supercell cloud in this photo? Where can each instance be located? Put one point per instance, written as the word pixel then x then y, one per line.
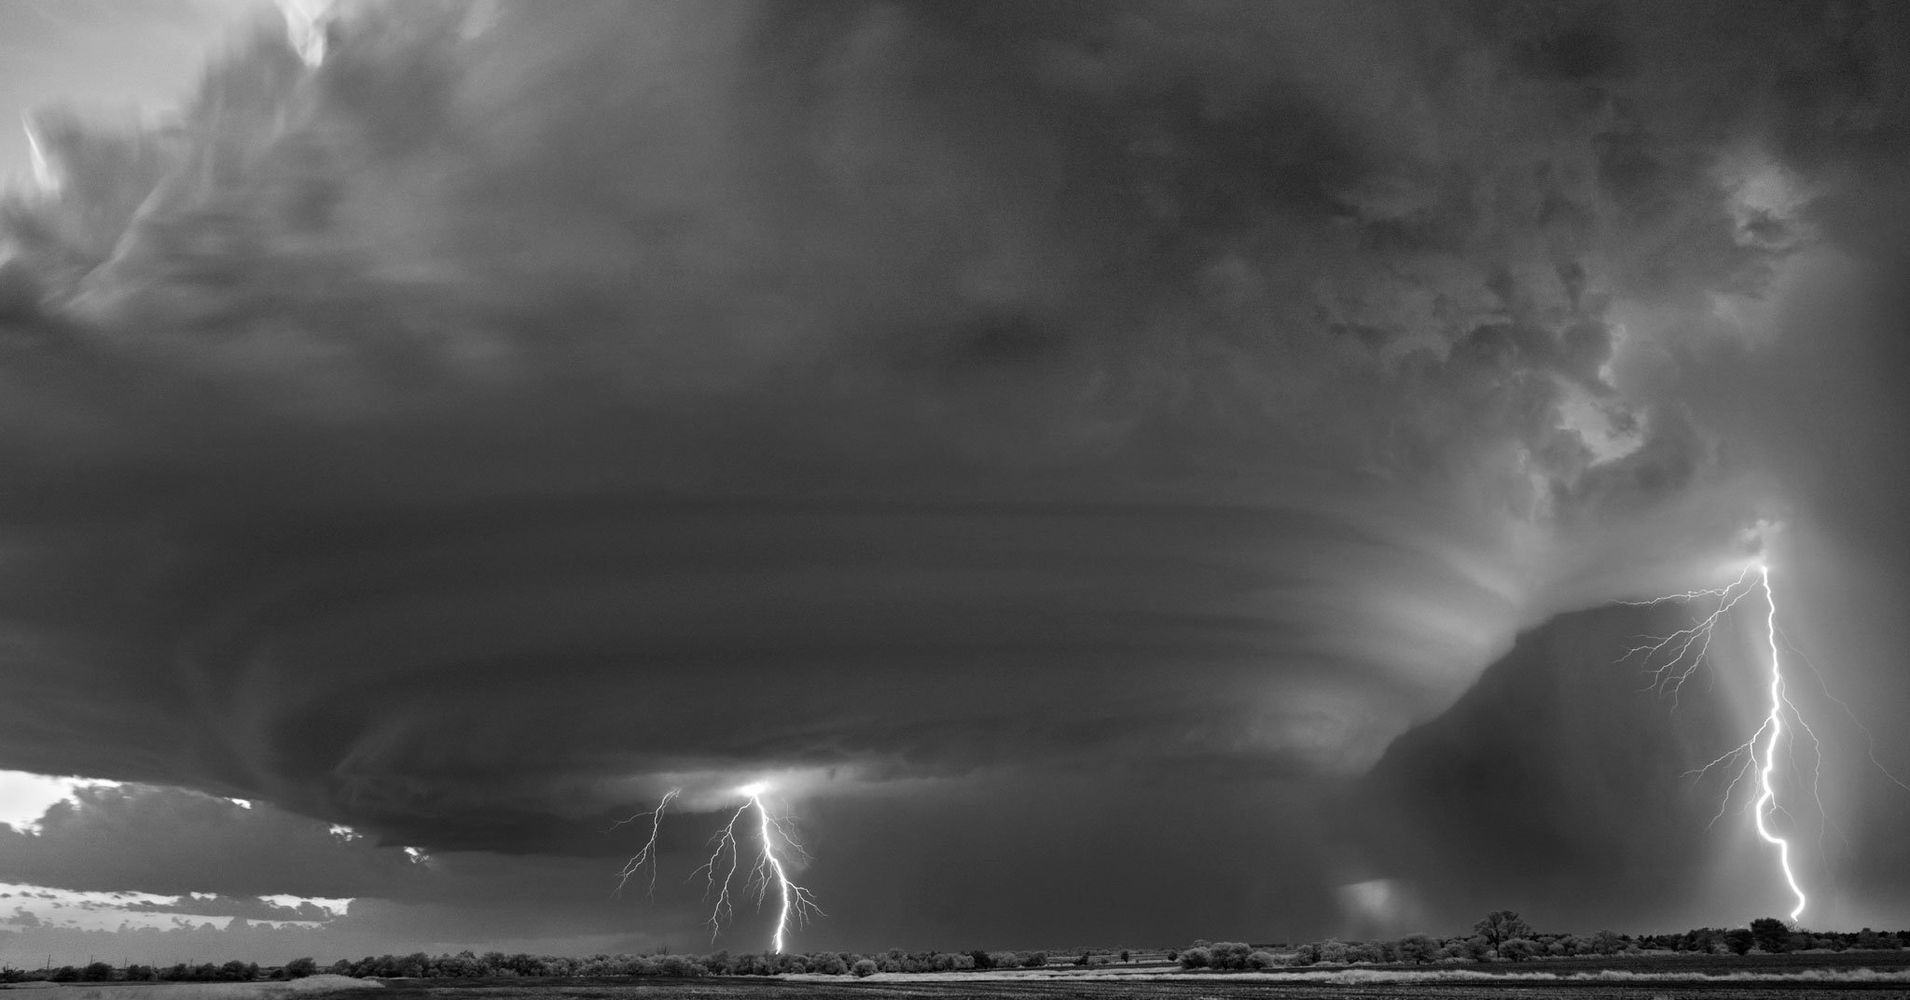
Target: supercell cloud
pixel 467 434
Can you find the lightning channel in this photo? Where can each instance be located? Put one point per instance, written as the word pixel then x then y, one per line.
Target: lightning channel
pixel 647 856
pixel 725 843
pixel 1767 798
pixel 774 849
pixel 1672 659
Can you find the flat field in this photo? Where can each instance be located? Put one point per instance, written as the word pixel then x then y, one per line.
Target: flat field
pixel 1193 987
pixel 1873 976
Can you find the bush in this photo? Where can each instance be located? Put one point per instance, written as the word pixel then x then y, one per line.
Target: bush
pixel 864 968
pixel 1418 949
pixel 1263 960
pixel 1034 959
pixel 1196 958
pixel 678 965
pixel 299 968
pixel 1229 954
pixel 1517 949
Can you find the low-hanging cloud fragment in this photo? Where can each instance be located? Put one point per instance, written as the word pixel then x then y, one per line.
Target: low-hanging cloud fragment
pixel 525 401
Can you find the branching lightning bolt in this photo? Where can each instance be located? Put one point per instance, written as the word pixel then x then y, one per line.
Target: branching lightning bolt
pixel 1672 659
pixel 1767 797
pixel 795 904
pixel 647 856
pixel 793 901
pixel 725 841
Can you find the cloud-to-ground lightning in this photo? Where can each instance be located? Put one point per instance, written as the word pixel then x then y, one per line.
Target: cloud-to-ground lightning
pixel 1672 659
pixel 795 904
pixel 649 853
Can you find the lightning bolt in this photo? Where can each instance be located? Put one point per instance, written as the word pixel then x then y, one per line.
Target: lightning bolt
pixel 1767 797
pixel 768 870
pixel 1673 659
pixel 649 853
pixel 794 903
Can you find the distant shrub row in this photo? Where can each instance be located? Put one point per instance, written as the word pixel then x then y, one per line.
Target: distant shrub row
pixel 495 964
pixel 1503 937
pixel 207 972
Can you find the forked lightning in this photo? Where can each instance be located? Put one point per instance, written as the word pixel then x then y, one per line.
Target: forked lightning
pixel 1672 659
pixel 649 853
pixel 794 903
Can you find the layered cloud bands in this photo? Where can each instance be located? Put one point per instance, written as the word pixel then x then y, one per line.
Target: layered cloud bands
pixel 527 399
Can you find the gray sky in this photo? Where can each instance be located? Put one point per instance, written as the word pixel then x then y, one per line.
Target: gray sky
pixel 1061 446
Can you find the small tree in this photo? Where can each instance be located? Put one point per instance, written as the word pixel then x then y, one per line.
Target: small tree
pixel 1771 933
pixel 863 968
pixel 1418 949
pixel 1501 926
pixel 1740 940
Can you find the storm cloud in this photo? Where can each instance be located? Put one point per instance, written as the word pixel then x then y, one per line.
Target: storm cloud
pixel 531 407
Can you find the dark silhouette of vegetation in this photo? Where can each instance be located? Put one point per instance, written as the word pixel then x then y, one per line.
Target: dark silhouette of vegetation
pixel 1504 937
pixel 1501 926
pixel 1767 934
pixel 1771 934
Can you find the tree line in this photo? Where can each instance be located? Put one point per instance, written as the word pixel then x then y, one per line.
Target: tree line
pixel 496 964
pixel 1503 936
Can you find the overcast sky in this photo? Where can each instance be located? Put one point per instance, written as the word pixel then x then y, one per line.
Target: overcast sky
pixel 1060 446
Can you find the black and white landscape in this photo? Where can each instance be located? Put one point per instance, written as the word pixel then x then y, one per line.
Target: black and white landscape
pixel 984 478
